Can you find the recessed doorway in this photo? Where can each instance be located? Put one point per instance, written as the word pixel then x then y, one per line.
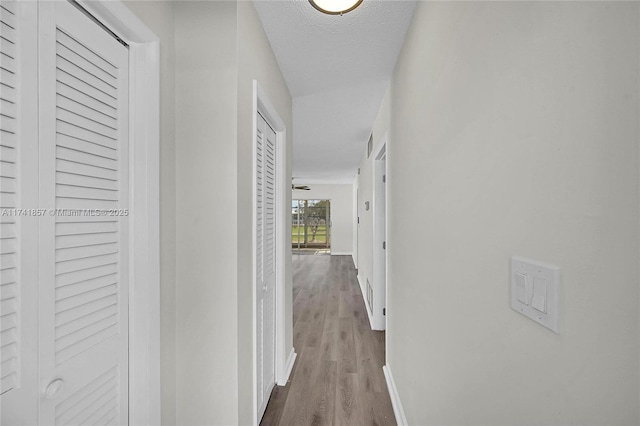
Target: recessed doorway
pixel 378 304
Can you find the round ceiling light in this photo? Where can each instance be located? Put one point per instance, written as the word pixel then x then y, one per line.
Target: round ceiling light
pixel 335 7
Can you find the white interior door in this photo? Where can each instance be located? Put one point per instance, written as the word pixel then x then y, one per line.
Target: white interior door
pixel 78 286
pixel 379 251
pixel 383 230
pixel 18 232
pixel 265 260
pixel 9 181
pixel 83 248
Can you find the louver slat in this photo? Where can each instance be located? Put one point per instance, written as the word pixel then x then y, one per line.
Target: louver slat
pixel 270 205
pixel 259 251
pixel 92 404
pixel 87 180
pixel 9 242
pixel 265 182
pixel 259 206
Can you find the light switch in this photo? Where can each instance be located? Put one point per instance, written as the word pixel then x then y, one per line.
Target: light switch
pixel 539 300
pixel 535 291
pixel 522 288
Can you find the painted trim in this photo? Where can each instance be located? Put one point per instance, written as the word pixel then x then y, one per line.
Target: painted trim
pixel 254 257
pixel 291 360
pixel 119 19
pixel 356 225
pixel 144 297
pixel 398 411
pixel 323 181
pixel 262 103
pixel 341 253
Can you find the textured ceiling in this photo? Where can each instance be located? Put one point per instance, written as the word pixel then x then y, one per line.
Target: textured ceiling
pixel 337 69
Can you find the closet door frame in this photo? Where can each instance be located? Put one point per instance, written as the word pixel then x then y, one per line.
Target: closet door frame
pixel 285 355
pixel 144 205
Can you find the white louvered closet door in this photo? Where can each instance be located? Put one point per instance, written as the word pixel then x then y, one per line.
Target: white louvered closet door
pixel 18 189
pixel 265 259
pixel 83 248
pixel 9 181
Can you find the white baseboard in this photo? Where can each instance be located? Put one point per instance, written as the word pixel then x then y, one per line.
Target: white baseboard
pixel 401 419
pixel 341 253
pixel 361 285
pixel 290 362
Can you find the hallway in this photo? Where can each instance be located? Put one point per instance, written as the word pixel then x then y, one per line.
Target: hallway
pixel 337 378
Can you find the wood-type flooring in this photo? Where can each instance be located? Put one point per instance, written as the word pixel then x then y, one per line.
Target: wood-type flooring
pixel 337 378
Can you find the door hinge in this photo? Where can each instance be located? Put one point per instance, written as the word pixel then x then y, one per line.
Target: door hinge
pixel 384 311
pixel 384 178
pixel 384 245
pixel 358 220
pixel 358 170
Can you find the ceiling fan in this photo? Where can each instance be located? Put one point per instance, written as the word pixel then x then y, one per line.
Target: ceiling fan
pixel 299 187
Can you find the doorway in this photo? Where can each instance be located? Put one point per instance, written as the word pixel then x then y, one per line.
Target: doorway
pixel 379 291
pixel 273 360
pixel 311 226
pixel 81 251
pixel 265 259
pixel 70 238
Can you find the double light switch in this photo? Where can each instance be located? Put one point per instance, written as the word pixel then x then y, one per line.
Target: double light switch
pixel 532 294
pixel 534 291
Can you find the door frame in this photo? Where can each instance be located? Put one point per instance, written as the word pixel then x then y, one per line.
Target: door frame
pixel 144 202
pixel 379 260
pixel 328 219
pixel 356 222
pixel 283 361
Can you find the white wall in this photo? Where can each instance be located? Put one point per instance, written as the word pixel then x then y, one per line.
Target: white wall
pixel 158 16
pixel 341 196
pixel 206 213
pixel 515 132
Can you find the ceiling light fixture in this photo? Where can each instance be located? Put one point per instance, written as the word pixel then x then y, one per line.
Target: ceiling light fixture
pixel 335 7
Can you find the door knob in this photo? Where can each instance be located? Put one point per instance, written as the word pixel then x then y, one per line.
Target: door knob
pixel 54 388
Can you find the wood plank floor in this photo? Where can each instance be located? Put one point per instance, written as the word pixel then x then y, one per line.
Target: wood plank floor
pixel 338 378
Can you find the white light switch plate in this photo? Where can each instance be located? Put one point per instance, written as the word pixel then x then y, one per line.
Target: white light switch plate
pixel 541 288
